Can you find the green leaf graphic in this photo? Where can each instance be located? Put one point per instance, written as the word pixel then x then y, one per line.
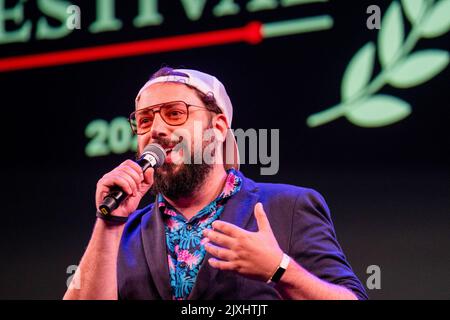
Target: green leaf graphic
pixel 437 22
pixel 379 110
pixel 358 71
pixel 400 67
pixel 413 9
pixel 390 37
pixel 418 68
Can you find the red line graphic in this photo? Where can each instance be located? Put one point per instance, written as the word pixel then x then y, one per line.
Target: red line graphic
pixel 250 33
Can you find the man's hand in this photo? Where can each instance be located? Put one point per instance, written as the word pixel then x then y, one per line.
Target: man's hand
pixel 128 176
pixel 253 254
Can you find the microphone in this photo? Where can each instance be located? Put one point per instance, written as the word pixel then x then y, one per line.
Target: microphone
pixel 153 156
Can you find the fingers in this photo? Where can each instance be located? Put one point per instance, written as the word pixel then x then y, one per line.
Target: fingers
pixel 221 253
pixel 130 180
pixel 228 229
pixel 135 174
pixel 128 176
pixel 131 164
pixel 219 238
pixel 261 218
pixel 221 265
pixel 148 176
pixel 126 183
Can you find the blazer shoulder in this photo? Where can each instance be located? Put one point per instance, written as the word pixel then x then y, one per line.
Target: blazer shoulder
pixel 135 218
pixel 297 194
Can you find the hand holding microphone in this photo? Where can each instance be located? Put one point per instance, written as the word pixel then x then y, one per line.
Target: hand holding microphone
pixel 122 189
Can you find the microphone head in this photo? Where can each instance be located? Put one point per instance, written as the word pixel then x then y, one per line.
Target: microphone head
pixel 157 152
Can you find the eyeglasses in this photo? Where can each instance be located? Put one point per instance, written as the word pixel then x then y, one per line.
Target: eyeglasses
pixel 174 113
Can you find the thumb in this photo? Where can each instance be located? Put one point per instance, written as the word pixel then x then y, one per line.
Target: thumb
pixel 148 178
pixel 261 218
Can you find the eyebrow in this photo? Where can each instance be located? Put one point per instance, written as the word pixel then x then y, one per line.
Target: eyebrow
pixel 149 107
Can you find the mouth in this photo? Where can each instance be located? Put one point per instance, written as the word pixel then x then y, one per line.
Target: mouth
pixel 172 157
pixel 168 145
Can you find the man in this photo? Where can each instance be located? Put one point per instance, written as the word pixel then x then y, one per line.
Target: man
pixel 211 233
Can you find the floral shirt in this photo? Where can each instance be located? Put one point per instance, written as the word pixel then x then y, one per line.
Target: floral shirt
pixel 185 244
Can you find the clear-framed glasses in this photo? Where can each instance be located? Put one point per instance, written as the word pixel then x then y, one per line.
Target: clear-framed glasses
pixel 174 113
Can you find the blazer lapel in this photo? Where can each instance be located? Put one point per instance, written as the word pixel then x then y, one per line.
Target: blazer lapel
pixel 155 250
pixel 238 211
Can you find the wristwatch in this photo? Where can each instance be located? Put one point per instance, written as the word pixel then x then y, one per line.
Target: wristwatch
pixel 280 270
pixel 110 219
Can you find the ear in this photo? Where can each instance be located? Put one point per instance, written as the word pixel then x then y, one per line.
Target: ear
pixel 220 123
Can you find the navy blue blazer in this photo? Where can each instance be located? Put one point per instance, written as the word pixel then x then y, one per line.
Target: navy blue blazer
pixel 299 218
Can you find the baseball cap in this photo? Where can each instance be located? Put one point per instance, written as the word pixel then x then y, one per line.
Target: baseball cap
pixel 208 85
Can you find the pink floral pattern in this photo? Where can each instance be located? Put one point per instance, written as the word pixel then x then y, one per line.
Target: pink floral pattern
pixel 185 241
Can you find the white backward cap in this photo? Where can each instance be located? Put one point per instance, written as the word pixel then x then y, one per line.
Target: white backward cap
pixel 208 85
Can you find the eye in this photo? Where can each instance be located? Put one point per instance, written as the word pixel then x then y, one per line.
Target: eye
pixel 175 113
pixel 144 121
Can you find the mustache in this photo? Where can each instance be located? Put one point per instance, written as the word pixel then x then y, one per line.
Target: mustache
pixel 166 142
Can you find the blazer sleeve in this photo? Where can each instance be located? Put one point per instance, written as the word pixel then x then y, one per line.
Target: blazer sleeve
pixel 314 245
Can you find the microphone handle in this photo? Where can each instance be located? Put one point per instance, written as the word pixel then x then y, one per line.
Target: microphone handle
pixel 117 195
pixel 112 201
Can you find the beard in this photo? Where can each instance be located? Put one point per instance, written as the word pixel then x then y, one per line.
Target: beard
pixel 177 181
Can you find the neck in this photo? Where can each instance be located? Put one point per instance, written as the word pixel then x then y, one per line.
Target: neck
pixel 207 192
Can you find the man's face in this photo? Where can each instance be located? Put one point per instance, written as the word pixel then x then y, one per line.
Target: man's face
pixel 175 179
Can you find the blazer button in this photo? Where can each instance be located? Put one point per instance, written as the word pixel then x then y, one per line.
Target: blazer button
pixel 189 227
pixel 182 265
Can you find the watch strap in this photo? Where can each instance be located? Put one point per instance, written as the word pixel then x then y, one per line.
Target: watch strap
pixel 280 270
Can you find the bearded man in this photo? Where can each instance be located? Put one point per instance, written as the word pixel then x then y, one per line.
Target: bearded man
pixel 211 233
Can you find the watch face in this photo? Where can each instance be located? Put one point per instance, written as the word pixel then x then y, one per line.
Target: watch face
pixel 277 276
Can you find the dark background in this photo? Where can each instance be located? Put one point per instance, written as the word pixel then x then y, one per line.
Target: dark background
pixel 387 188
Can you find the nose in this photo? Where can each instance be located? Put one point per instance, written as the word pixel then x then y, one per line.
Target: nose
pixel 159 127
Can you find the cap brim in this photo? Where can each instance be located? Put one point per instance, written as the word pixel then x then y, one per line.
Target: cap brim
pixel 231 153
